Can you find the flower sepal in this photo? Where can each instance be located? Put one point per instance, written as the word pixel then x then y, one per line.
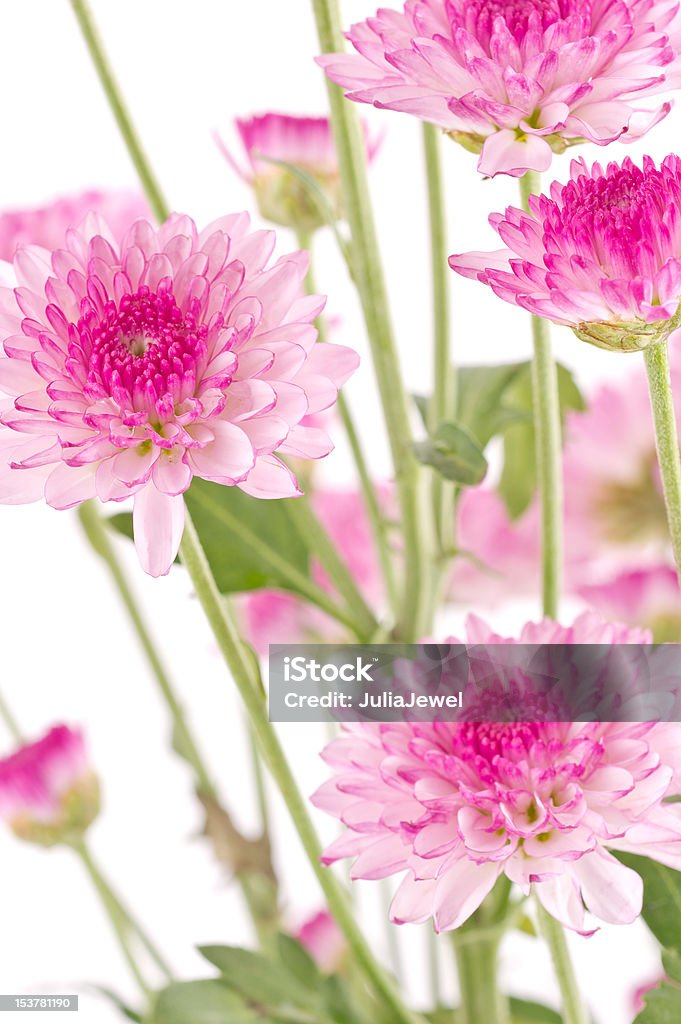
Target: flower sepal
pixel 626 335
pixel 78 808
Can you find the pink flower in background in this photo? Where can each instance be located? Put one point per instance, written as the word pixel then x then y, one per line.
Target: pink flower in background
pixel 615 518
pixel 515 80
pixel 452 806
pixel 498 557
pixel 132 368
pixel 46 225
pixel 649 597
pixel 307 143
pixel 273 616
pixel 601 254
pixel 48 791
pixel 324 941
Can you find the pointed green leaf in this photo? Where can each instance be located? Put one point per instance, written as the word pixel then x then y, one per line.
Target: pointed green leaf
pixel 454 453
pixel 201 1002
pixel 661 898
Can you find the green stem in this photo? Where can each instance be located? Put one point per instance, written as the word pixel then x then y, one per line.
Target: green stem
pixel 657 367
pixel 10 721
pixel 98 536
pixel 119 110
pixel 434 973
pixel 481 1000
pixel 574 1011
pixel 368 276
pixel 377 521
pixel 547 425
pixel 118 920
pixel 442 405
pixel 314 533
pixel 244 670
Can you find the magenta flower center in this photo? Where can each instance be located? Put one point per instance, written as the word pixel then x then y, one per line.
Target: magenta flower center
pixel 143 351
pixel 486 19
pixel 490 740
pixel 623 218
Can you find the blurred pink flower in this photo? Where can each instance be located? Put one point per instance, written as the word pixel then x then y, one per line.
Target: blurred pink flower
pixel 132 368
pixel 46 225
pixel 273 616
pixel 638 999
pixel 615 519
pixel 48 791
pixel 601 254
pixel 649 597
pixel 324 941
pixel 271 139
pixel 453 806
pixel 514 81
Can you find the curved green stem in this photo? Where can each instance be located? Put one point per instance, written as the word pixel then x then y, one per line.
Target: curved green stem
pixel 97 534
pixel 368 275
pixel 118 919
pixel 574 1011
pixel 244 670
pixel 127 129
pixel 315 535
pixel 547 426
pixel 659 384
pixel 442 405
pixel 377 521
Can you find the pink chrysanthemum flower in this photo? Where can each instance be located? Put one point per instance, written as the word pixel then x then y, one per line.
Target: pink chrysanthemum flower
pixel 46 225
pixel 453 806
pixel 270 140
pixel 515 80
pixel 132 368
pixel 649 596
pixel 601 254
pixel 324 941
pixel 48 791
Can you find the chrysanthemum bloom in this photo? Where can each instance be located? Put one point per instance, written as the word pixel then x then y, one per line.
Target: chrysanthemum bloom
pixel 647 596
pixel 134 367
pixel 283 197
pixel 516 80
pixel 324 941
pixel 274 616
pixel 601 254
pixel 453 806
pixel 48 790
pixel 46 225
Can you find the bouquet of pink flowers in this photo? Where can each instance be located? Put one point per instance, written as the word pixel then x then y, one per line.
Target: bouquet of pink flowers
pixel 191 375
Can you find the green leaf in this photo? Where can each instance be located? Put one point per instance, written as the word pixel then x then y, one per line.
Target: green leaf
pixel 454 453
pixel 482 404
pixel 524 1012
pixel 296 959
pixel 662 1005
pixel 249 542
pixel 661 898
pixel 120 1005
pixel 201 1002
pixel 260 980
pixel 518 478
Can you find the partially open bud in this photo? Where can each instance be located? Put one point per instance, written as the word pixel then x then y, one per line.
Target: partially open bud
pixel 49 793
pixel 283 196
pixel 324 941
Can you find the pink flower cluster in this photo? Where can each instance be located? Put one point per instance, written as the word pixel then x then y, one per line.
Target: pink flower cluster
pixel 453 806
pixel 516 79
pixel 131 367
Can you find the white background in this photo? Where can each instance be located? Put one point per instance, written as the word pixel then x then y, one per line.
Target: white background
pixel 67 650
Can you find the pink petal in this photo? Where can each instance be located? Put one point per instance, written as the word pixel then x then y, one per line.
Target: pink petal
pixel 270 478
pixel 158 522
